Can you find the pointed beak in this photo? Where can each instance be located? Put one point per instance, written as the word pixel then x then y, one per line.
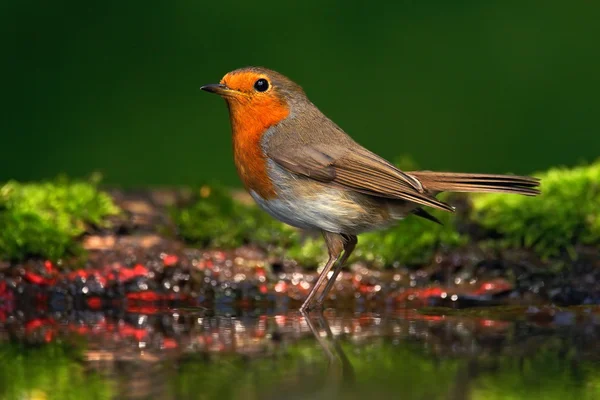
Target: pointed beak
pixel 220 89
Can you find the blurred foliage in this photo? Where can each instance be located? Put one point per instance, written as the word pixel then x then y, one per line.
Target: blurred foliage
pixel 50 371
pixel 44 219
pixel 567 212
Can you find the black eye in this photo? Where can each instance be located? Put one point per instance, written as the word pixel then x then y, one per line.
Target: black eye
pixel 261 85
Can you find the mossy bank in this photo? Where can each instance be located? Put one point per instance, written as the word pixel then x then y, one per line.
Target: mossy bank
pixel 49 219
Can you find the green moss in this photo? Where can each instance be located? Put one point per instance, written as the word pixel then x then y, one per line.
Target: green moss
pixel 565 214
pixel 216 219
pixel 411 241
pixel 45 219
pixel 309 251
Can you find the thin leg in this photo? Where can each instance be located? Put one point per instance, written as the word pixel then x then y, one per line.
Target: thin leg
pixel 335 245
pixel 349 246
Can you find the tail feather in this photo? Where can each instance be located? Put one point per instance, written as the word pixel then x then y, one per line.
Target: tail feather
pixel 485 183
pixel 424 214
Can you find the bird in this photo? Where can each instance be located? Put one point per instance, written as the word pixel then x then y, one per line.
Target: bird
pixel 304 170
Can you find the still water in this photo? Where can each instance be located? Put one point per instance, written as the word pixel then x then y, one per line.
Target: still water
pixel 185 353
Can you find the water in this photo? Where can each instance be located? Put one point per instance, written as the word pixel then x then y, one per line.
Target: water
pixel 185 353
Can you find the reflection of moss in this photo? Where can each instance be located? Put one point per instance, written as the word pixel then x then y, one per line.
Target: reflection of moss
pixel 51 371
pixel 511 313
pixel 548 373
pixel 44 219
pixel 383 370
pixel 566 213
pixel 380 370
pixel 202 377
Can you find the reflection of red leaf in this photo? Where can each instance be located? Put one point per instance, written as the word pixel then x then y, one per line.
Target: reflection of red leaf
pixel 490 323
pixel 144 296
pixel 144 309
pixel 129 331
pixel 79 329
pixel 175 296
pixel 411 313
pixel 419 294
pixel 494 286
pixel 435 318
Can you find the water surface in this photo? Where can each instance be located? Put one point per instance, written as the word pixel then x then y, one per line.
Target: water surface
pixel 183 353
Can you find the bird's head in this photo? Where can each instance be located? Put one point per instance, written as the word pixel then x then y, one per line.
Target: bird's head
pixel 258 98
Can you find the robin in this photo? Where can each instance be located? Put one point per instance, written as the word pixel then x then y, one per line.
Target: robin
pixel 304 170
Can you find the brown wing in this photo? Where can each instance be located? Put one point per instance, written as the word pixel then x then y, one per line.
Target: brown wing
pixel 354 168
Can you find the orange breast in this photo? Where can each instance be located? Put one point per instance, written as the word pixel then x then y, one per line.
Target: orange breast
pixel 249 122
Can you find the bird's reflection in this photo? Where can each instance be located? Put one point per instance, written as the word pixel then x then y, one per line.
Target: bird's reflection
pixel 340 373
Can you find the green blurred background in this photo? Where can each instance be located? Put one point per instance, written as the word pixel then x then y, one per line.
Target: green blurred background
pixel 113 86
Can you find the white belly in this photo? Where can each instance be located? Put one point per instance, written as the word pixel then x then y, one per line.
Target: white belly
pixel 310 205
pixel 319 212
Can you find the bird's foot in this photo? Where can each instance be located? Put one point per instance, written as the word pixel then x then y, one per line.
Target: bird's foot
pixel 311 307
